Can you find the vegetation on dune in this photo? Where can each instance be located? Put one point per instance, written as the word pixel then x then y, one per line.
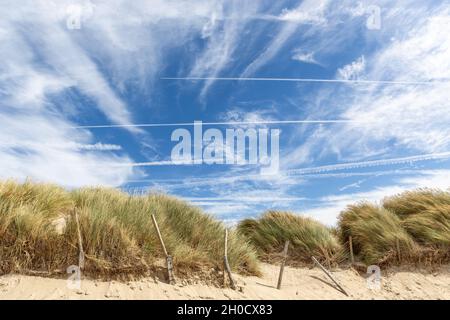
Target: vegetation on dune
pixel 39 232
pixel 425 214
pixel 307 237
pixel 430 227
pixel 116 228
pixel 375 233
pixel 28 238
pixel 418 220
pixel 416 201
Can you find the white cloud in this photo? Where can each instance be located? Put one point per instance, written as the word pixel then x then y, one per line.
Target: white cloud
pixel 41 58
pixel 330 207
pixel 309 12
pixel 223 38
pixel 353 70
pixel 413 118
pixel 306 57
pixel 43 160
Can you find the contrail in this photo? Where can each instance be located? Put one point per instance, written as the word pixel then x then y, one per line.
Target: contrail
pixel 228 179
pixel 311 170
pixel 304 80
pixel 231 123
pixel 373 163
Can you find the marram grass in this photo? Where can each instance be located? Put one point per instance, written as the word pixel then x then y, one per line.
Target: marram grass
pixel 117 232
pixel 416 201
pixel 38 232
pixel 408 227
pixel 425 214
pixel 307 237
pixel 376 233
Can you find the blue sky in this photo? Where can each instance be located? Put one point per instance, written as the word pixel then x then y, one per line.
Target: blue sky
pixel 57 81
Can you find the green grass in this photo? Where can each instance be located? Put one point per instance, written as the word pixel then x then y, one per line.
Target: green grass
pixel 119 237
pixel 375 233
pixel 416 201
pixel 307 237
pixel 425 214
pixel 117 232
pixel 419 220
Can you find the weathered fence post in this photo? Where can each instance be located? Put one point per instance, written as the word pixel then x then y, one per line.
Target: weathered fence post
pixel 329 275
pixel 226 265
pixel 168 257
pixel 80 243
pixel 398 251
pixel 283 262
pixel 350 244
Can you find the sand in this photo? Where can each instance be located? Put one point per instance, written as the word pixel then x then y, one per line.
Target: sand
pixel 298 283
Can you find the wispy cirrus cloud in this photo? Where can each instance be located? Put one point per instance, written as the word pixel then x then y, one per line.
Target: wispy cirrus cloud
pixel 44 65
pixel 418 56
pixel 307 12
pixel 223 38
pixel 329 207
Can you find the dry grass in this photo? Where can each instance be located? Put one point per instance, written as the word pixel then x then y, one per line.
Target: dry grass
pixel 119 237
pixel 425 214
pixel 307 237
pixel 419 220
pixel 117 232
pixel 375 233
pixel 416 201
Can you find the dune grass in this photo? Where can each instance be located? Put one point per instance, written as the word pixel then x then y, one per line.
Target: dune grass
pixel 416 201
pixel 419 220
pixel 117 232
pixel 375 233
pixel 425 214
pixel 38 232
pixel 307 237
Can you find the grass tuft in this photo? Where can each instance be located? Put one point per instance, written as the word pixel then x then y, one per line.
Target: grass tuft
pixel 307 237
pixel 117 232
pixel 375 233
pixel 425 214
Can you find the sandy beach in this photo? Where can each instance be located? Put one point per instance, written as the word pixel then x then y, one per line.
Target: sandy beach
pixel 298 283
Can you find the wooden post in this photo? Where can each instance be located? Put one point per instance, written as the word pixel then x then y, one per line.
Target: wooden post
pixel 169 260
pixel 80 243
pixel 350 244
pixel 226 265
pixel 398 251
pixel 283 262
pixel 329 275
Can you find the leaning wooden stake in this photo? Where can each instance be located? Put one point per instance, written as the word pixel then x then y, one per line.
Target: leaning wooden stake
pixel 226 265
pixel 329 275
pixel 168 257
pixel 350 244
pixel 80 244
pixel 283 262
pixel 398 251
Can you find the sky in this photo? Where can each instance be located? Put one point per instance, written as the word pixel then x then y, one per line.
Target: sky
pixel 92 91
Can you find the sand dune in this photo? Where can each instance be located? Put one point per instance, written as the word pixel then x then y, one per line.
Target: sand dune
pixel 298 283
